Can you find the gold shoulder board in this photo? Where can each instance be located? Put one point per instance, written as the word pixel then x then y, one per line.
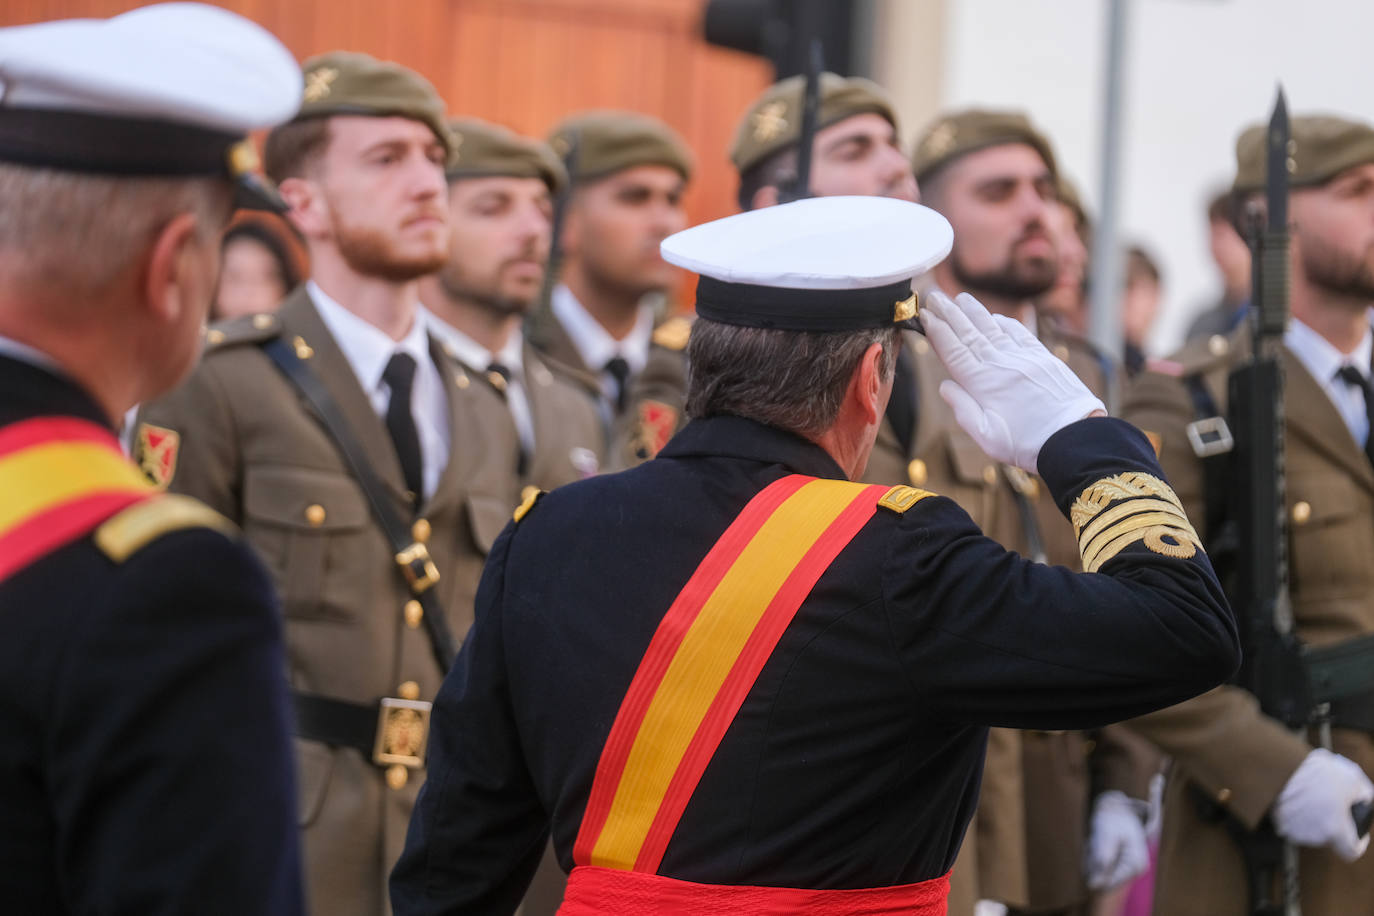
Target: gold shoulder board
pixel 673 334
pixel 142 523
pixel 900 499
pixel 531 496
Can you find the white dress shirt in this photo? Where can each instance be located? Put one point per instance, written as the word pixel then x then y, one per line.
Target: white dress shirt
pixel 596 346
pixel 1323 361
pixel 477 358
pixel 368 349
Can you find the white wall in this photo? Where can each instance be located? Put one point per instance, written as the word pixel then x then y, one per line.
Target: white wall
pixel 1197 72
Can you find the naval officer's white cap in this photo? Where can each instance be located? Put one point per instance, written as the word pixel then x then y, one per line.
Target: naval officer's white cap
pixel 821 264
pixel 165 90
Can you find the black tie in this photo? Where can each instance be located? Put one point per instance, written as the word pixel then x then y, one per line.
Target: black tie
pixel 399 376
pixel 620 371
pixel 1355 379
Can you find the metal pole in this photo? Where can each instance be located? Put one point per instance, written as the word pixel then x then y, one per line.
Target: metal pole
pixel 1105 284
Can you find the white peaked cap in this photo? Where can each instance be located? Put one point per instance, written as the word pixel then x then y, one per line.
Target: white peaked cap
pixel 824 263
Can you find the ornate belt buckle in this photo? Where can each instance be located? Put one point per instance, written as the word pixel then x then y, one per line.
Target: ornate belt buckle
pixel 1210 436
pixel 418 568
pixel 402 733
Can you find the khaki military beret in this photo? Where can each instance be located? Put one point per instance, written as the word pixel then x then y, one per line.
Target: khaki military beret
pixel 963 132
pixel 773 122
pixel 349 83
pixel 1319 149
pixel 610 141
pixel 481 148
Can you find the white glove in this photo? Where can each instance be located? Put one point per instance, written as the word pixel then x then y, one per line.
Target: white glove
pixel 1006 389
pixel 1313 808
pixel 1117 846
pixel 989 908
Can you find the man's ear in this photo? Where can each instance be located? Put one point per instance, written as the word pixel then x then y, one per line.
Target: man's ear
pixel 308 212
pixel 169 284
pixel 765 196
pixel 868 384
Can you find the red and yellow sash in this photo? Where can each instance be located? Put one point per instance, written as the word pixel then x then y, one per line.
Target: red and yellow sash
pixel 59 479
pixel 704 658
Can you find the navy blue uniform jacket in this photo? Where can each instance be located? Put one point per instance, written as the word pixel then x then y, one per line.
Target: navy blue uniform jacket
pixel 855 759
pixel 145 757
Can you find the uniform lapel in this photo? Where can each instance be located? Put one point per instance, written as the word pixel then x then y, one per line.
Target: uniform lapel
pixel 1312 416
pixel 300 319
pixel 450 488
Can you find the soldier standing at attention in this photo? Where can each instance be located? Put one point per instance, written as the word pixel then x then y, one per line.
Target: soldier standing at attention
pixel 1232 763
pixel 1056 800
pixel 781 707
pixel 501 191
pixel 145 763
pixel 628 172
pixel 368 470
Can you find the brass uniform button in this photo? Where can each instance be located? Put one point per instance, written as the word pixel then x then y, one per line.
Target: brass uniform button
pixel 214 337
pixel 461 380
pixel 917 473
pixel 1062 352
pixel 262 322
pixel 420 531
pixel 397 776
pixel 415 613
pixel 1302 511
pixel 1224 796
pixel 409 691
pixel 314 514
pixel 303 349
pixel 989 475
pixel 1218 345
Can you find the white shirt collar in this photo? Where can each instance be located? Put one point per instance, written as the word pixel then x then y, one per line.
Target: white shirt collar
pixel 366 347
pixel 1321 358
pixel 472 354
pixel 593 343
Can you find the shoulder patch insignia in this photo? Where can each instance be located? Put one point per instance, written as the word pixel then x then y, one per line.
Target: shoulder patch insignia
pixel 528 499
pixel 673 334
pixel 155 450
pixel 899 499
pixel 130 531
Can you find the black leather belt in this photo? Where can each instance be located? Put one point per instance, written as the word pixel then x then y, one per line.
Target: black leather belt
pixel 388 732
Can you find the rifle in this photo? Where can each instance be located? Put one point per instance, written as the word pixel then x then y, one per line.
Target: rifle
pixel 1285 677
pixel 800 186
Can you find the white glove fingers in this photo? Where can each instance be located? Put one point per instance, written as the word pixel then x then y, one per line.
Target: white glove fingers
pixel 1017 332
pixel 959 322
pixel 949 346
pixel 982 319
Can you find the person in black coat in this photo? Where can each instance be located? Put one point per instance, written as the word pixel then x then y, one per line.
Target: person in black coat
pixel 145 756
pixel 756 686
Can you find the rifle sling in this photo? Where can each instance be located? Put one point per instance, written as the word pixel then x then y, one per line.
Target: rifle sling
pixel 393 526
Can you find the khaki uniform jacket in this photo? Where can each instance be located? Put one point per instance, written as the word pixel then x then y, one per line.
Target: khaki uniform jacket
pixel 1025 845
pixel 569 438
pixel 252 450
pixel 1220 742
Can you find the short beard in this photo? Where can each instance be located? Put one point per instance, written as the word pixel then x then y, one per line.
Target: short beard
pixel 1339 274
pixel 1013 281
pixel 372 253
pixel 486 300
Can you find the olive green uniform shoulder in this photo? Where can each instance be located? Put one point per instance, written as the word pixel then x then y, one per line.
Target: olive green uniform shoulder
pixel 248 329
pixel 141 524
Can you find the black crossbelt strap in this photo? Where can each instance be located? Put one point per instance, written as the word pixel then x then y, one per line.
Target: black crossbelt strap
pixel 1215 468
pixel 393 526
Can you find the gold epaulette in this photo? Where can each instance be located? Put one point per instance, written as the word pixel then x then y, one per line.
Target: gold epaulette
pixel 673 334
pixel 142 523
pixel 529 497
pixel 247 329
pixel 899 499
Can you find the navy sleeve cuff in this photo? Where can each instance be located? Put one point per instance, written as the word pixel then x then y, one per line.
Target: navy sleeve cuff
pixel 1085 452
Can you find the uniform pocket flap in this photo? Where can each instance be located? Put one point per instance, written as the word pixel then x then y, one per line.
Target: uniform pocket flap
pixel 969 464
pixel 488 517
pixel 1323 500
pixel 303 498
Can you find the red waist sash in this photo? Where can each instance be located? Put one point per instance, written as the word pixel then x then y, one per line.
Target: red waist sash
pixel 594 891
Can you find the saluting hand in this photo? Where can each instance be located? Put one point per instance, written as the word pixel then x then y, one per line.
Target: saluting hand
pixel 1007 391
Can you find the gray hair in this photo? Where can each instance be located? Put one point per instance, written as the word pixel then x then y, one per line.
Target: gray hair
pixel 793 380
pixel 73 234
